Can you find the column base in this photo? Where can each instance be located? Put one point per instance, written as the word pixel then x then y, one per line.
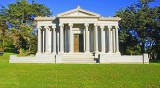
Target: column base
pixel 70 52
pixel 61 52
pixel 39 53
pixel 47 53
pixel 87 52
pixel 109 52
pixel 102 51
pixel 96 52
pixel 53 53
pixel 118 53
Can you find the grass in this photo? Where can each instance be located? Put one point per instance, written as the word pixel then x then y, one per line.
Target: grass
pixel 78 75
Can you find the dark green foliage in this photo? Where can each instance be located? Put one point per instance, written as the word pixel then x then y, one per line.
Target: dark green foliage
pixel 33 44
pixel 139 27
pixel 19 17
pixel 23 12
pixel 3 28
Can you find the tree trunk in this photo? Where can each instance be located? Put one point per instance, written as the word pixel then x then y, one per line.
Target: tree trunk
pixel 143 48
pixel 29 48
pixel 20 51
pixel 3 45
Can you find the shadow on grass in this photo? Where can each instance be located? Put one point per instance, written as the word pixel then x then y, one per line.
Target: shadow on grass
pixel 154 61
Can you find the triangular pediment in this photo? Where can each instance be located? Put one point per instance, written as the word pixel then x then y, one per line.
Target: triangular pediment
pixel 78 12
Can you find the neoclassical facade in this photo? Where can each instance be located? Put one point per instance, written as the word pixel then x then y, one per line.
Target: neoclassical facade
pixel 77 31
pixel 78 36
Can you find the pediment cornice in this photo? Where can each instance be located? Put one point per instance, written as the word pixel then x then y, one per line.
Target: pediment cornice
pixel 44 18
pixel 78 12
pixel 109 18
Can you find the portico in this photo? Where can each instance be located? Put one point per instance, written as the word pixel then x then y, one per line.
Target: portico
pixel 95 33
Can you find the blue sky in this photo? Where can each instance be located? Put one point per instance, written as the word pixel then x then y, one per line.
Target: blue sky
pixel 103 7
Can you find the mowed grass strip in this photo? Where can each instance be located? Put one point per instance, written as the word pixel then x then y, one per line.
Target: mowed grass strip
pixel 78 75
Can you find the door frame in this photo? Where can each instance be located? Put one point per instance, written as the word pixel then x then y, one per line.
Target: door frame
pixel 80 46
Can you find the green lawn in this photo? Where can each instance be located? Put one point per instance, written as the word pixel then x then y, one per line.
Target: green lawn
pixel 78 75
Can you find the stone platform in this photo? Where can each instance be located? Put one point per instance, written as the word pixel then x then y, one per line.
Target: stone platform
pixel 82 58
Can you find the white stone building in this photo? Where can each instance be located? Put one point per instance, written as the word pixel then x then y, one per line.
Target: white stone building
pixel 78 36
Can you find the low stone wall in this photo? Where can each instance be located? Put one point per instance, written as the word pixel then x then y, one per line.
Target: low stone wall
pixel 33 59
pixel 109 58
pixel 103 58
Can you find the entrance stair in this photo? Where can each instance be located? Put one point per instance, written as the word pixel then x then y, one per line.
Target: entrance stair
pixel 82 58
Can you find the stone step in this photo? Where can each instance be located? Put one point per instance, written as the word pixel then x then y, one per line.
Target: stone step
pixel 68 59
pixel 78 60
pixel 87 62
pixel 78 54
pixel 77 57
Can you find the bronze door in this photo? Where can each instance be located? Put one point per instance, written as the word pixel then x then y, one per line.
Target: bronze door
pixel 78 43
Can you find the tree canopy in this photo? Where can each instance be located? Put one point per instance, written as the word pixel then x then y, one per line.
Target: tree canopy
pixel 140 28
pixel 18 19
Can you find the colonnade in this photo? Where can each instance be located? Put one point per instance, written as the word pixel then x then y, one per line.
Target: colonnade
pixel 47 39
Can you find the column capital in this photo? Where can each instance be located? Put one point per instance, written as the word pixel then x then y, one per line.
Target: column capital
pixel 109 27
pixel 61 25
pixel 46 27
pixel 102 26
pixel 70 24
pixel 39 27
pixel 53 26
pixel 86 24
pixel 50 28
pixel 95 24
pixel 116 27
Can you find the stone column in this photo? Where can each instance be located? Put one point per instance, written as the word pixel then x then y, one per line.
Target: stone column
pixel 84 40
pixel 87 37
pixel 70 38
pixel 39 40
pixel 61 38
pixel 110 40
pixel 58 41
pixel 102 39
pixel 54 40
pixel 48 40
pixel 111 43
pixel 43 42
pixel 114 42
pixel 96 39
pixel 65 39
pixel 117 41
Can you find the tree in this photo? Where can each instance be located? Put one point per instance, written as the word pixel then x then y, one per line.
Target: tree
pixel 140 22
pixel 21 22
pixel 3 27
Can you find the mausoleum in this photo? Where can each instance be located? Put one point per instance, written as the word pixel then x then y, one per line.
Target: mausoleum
pixel 78 36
